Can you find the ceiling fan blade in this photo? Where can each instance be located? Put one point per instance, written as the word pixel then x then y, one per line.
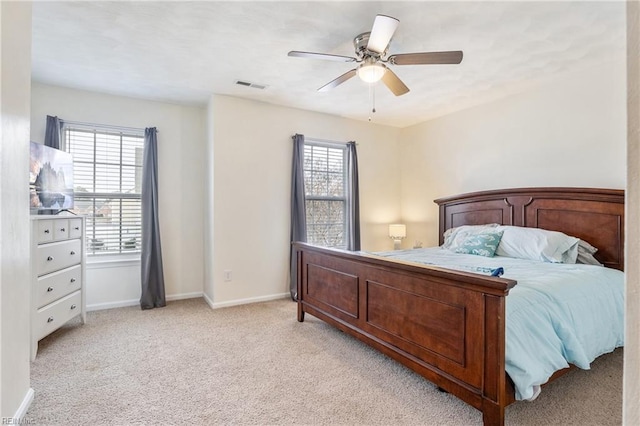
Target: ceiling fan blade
pixel 394 83
pixel 383 29
pixel 425 58
pixel 338 81
pixel 324 56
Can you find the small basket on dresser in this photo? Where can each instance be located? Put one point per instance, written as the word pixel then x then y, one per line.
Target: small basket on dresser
pixel 57 274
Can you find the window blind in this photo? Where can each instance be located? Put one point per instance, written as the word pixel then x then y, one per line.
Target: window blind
pixel 107 180
pixel 325 193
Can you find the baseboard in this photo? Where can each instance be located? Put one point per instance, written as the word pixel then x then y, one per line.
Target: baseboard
pixel 218 305
pixel 193 295
pixel 111 305
pixel 135 302
pixel 18 418
pixel 182 296
pixel 208 300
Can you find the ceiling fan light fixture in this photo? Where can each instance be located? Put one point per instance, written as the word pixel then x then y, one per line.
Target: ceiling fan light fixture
pixel 371 72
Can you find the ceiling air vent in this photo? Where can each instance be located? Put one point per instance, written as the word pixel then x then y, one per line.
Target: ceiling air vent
pixel 249 84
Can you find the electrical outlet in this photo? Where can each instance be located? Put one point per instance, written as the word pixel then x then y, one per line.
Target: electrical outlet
pixel 227 275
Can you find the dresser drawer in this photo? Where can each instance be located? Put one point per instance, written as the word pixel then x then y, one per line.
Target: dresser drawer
pixel 55 256
pixel 53 316
pixel 61 229
pixel 45 231
pixel 57 284
pixel 75 228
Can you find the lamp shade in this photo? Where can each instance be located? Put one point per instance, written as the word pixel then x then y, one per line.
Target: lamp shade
pixel 397 231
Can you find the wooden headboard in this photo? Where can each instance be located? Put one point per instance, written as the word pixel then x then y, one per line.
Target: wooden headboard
pixel 594 215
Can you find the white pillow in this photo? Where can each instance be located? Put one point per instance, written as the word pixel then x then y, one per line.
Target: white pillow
pixel 537 244
pixel 455 236
pixel 585 254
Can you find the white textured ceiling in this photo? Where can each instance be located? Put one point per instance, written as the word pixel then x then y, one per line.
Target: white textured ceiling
pixel 185 51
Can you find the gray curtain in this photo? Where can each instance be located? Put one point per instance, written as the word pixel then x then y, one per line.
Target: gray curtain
pixel 298 210
pixel 151 258
pixel 53 132
pixel 353 202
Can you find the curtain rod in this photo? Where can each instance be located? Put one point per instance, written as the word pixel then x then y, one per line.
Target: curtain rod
pixel 326 141
pixel 107 126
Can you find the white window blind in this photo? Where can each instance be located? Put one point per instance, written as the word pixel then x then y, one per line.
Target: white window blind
pixel 325 193
pixel 107 176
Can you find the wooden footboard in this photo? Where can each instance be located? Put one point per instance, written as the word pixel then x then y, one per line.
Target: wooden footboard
pixel 447 326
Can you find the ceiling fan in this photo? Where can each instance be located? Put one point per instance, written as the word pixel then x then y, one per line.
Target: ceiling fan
pixel 371 55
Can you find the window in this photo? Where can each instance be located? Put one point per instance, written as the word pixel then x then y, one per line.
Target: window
pixel 325 193
pixel 107 177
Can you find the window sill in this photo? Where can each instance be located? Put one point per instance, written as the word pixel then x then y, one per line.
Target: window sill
pixel 115 261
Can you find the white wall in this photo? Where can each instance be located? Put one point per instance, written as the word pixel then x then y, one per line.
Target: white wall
pixel 15 393
pixel 568 132
pixel 252 151
pixel 181 144
pixel 209 203
pixel 631 398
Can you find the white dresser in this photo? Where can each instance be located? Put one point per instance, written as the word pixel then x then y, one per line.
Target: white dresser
pixel 57 274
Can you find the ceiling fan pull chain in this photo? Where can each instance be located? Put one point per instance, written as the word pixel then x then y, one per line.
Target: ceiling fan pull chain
pixel 372 96
pixel 373 109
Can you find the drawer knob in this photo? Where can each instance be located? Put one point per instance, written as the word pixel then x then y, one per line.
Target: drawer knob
pixel 73 280
pixel 73 306
pixel 46 231
pixel 62 229
pixel 72 252
pixel 49 259
pixel 49 319
pixel 77 228
pixel 50 289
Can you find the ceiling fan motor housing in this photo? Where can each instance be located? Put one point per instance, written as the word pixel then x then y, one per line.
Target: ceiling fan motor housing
pixel 360 42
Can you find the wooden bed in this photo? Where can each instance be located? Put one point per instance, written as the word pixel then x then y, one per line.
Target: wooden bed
pixel 449 326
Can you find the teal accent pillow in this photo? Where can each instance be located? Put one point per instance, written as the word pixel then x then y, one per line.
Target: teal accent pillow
pixel 482 244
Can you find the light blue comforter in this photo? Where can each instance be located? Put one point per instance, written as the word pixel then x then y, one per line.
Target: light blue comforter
pixel 557 313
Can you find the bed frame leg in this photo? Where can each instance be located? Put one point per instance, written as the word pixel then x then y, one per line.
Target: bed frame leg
pixel 493 415
pixel 299 276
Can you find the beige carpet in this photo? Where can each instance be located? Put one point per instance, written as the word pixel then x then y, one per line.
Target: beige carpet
pixel 255 364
